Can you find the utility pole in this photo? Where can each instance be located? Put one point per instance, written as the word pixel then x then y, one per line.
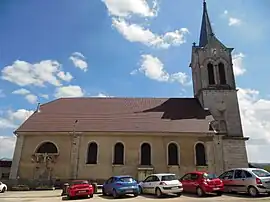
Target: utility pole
pixel 74 150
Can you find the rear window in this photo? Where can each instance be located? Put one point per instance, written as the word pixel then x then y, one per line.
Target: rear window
pixel 261 173
pixel 209 176
pixel 79 182
pixel 168 178
pixel 126 179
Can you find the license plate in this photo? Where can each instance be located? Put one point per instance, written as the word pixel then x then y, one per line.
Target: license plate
pixel 82 191
pixel 217 188
pixel 129 190
pixel 174 187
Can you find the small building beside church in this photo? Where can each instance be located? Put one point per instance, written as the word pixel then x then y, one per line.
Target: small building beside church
pixel 95 138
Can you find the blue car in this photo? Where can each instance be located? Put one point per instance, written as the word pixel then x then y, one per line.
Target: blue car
pixel 120 185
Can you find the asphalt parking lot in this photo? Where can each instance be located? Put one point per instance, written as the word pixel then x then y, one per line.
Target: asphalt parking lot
pixel 54 196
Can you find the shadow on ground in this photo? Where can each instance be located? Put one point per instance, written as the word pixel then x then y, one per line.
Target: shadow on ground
pixel 65 198
pixel 245 195
pixel 121 197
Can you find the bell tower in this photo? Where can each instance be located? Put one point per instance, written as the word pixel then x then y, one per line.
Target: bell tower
pixel 214 86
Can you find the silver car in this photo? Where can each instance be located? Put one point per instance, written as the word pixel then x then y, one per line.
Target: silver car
pixel 250 180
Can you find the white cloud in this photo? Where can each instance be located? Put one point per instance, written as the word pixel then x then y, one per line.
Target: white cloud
pixel 124 8
pixel 21 91
pixel 234 21
pixel 20 115
pixel 65 76
pixel 255 114
pixel 102 95
pixel 136 33
pixel 44 96
pixel 78 60
pixel 23 73
pixel 7 145
pixel 181 78
pixel 238 66
pixel 12 119
pixel 69 91
pixel 154 69
pixel 31 98
pixel 6 123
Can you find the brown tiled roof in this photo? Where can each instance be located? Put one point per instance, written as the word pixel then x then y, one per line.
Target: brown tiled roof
pixel 120 115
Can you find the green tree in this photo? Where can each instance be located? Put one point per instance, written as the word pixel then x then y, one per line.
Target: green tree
pixel 267 168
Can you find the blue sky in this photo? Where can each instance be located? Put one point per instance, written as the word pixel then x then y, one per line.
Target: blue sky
pixel 51 49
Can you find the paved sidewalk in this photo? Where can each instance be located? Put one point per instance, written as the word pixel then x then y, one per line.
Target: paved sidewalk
pixel 54 196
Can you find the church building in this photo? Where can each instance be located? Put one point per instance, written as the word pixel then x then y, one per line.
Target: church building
pixel 95 138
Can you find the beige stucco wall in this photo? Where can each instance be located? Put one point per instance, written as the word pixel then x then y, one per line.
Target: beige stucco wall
pixel 31 142
pixel 104 168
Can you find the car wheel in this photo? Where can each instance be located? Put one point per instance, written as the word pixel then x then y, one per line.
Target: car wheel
pixel 114 193
pixel 219 193
pixel 252 191
pixel 103 192
pixel 179 194
pixel 135 194
pixel 140 190
pixel 200 192
pixel 3 190
pixel 158 192
pixel 91 195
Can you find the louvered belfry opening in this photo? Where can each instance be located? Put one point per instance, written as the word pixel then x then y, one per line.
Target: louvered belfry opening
pixel 222 74
pixel 211 75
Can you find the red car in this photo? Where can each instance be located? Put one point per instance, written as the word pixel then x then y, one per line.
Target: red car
pixel 80 188
pixel 202 183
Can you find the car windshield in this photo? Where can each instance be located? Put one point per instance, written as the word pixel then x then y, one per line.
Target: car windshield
pixel 209 176
pixel 261 173
pixel 79 182
pixel 126 179
pixel 168 178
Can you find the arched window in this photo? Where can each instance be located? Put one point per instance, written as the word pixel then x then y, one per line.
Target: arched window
pixel 47 147
pixel 211 75
pixel 200 155
pixel 173 154
pixel 92 153
pixel 222 74
pixel 145 154
pixel 118 157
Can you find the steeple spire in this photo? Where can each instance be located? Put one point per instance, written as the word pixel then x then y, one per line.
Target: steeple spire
pixel 206 28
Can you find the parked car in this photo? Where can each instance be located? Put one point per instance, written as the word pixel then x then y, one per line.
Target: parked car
pixel 250 180
pixel 3 187
pixel 161 184
pixel 202 183
pixel 120 185
pixel 80 188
